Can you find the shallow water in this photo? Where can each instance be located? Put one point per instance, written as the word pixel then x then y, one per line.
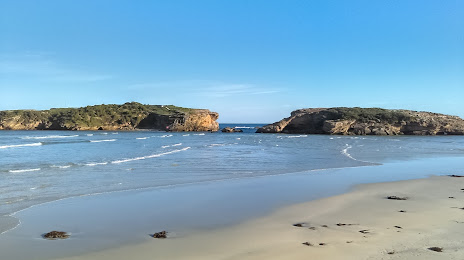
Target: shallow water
pixel 42 166
pixel 114 219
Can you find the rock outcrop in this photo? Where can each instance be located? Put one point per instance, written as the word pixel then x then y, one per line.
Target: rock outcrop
pixel 231 130
pixel 366 121
pixel 129 116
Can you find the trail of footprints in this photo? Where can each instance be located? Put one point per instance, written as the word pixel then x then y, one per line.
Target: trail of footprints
pixel 364 232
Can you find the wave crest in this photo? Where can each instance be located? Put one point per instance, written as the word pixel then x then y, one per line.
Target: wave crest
pixel 19 145
pixel 149 156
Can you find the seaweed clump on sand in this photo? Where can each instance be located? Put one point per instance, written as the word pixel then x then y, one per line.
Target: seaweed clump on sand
pixel 56 235
pixel 397 198
pixel 162 234
pixel 436 249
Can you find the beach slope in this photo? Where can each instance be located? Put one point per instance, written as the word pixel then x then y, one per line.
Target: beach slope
pixel 423 219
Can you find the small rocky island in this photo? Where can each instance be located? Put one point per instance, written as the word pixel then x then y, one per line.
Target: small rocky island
pixel 366 121
pixel 129 116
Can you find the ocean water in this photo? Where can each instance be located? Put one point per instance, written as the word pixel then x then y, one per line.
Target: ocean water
pixel 43 166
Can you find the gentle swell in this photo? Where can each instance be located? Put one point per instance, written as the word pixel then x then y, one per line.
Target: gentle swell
pixel 19 145
pixel 150 156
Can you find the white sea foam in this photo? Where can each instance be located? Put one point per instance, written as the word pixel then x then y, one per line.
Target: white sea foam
pixel 244 127
pixel 177 144
pixel 61 166
pixel 104 133
pixel 213 145
pixel 165 146
pixel 149 156
pixel 48 137
pixel 162 136
pixel 115 133
pixel 89 134
pixel 186 135
pixel 99 141
pixel 142 138
pixel 296 136
pixel 19 145
pixel 25 170
pixel 95 164
pixel 199 134
pixel 345 152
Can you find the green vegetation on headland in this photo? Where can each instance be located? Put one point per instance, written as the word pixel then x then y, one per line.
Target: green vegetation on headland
pixel 366 121
pixel 128 116
pixel 368 114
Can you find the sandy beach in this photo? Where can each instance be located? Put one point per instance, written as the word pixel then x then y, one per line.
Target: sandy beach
pixel 361 224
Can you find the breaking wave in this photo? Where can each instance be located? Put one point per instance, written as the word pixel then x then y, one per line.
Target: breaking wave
pixel 95 164
pixel 99 141
pixel 61 166
pixel 48 137
pixel 19 145
pixel 24 170
pixel 149 156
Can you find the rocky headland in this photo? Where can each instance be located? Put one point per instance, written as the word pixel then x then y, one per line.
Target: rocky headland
pixel 366 121
pixel 129 116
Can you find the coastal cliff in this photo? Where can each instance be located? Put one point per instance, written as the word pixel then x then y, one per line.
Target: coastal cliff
pixel 366 121
pixel 129 116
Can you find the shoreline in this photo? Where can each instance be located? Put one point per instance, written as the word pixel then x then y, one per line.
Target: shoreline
pixel 12 219
pixel 111 221
pixel 331 228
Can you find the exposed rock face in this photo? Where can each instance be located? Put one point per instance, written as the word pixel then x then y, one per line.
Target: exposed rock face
pixel 199 120
pixel 129 116
pixel 366 121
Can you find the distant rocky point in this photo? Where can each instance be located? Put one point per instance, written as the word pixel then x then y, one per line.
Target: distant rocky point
pixel 129 116
pixel 231 130
pixel 366 121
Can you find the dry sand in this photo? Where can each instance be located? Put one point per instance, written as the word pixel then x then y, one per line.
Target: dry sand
pixel 431 219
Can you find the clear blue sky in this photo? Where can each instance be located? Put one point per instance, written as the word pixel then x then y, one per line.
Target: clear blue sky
pixel 251 61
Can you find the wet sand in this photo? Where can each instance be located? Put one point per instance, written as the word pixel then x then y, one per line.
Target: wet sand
pixel 361 224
